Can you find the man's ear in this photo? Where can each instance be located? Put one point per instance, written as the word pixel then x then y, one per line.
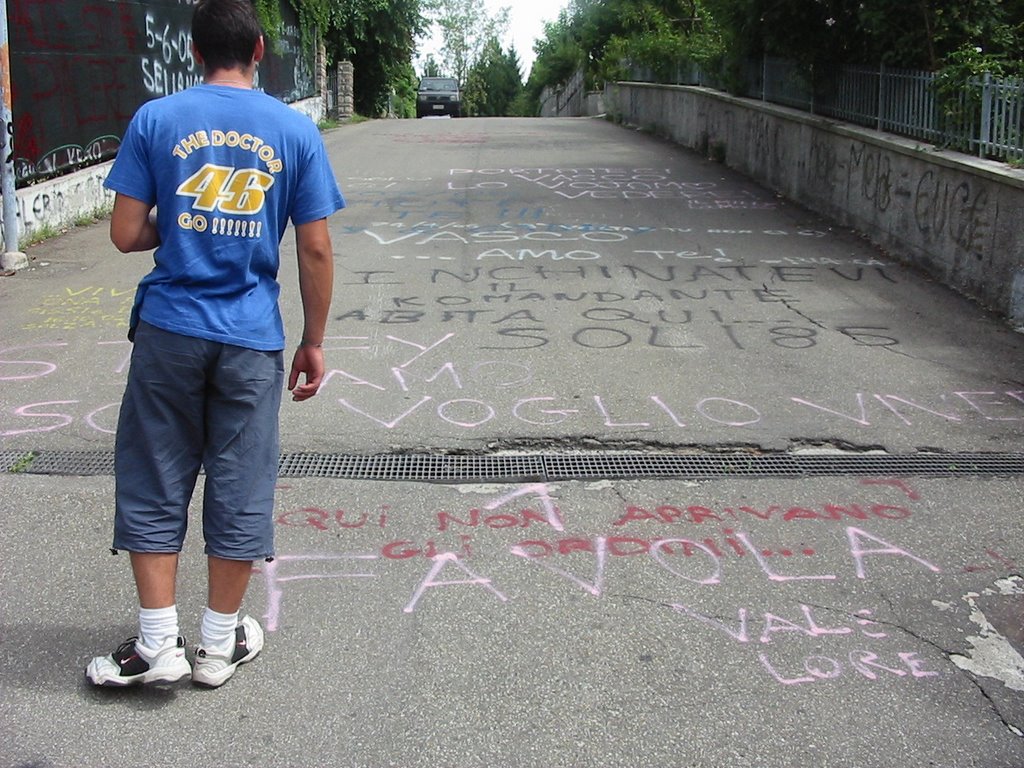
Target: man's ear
pixel 196 55
pixel 259 51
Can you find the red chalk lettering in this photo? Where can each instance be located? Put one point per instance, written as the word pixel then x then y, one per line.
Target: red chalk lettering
pixel 400 550
pixel 621 546
pixel 445 519
pixel 668 514
pixel 339 516
pixel 635 514
pixel 888 512
pixel 539 549
pixel 766 515
pixel 895 483
pixel 835 512
pixel 567 546
pixel 801 513
pixel 307 517
pixel 699 514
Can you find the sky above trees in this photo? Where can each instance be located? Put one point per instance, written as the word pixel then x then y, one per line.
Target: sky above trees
pixel 526 25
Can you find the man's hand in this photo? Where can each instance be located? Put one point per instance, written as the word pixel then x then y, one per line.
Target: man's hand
pixel 308 360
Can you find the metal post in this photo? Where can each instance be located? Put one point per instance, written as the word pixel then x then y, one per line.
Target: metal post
pixel 985 129
pixel 12 259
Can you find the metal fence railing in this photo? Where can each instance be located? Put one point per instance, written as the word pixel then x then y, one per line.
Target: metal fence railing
pixel 986 119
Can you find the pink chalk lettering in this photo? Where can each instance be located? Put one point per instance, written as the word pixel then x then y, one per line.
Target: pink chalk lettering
pixel 799 680
pixel 768 571
pixel 739 634
pixel 386 424
pixel 28 411
pixel 540 490
pixel 855 535
pixel 594 587
pixel 608 418
pixel 273 580
pixel 43 368
pixel 422 350
pixel 351 377
pixel 430 580
pixel 661 545
pixel 863 420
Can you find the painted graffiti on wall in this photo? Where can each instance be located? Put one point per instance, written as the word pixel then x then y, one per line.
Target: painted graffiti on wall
pixel 81 68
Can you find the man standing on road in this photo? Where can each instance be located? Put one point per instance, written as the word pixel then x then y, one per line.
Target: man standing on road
pixel 226 167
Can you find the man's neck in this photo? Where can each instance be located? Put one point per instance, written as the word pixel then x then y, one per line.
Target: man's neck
pixel 235 78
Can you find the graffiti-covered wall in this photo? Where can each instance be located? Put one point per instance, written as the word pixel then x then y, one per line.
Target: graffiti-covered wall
pixel 80 69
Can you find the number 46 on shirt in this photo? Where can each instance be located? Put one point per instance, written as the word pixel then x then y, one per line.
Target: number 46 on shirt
pixel 229 190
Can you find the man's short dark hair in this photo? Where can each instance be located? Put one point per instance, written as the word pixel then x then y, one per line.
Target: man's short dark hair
pixel 225 32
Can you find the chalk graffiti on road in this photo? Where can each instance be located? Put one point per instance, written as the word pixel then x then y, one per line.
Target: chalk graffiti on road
pixel 611 184
pixel 409 381
pixel 81 308
pixel 476 550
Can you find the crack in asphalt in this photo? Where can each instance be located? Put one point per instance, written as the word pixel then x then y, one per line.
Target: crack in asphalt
pixel 841 331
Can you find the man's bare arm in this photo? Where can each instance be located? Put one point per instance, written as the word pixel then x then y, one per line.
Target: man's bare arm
pixel 316 286
pixel 131 227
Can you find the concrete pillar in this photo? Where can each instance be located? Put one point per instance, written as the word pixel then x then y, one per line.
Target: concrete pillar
pixel 321 69
pixel 345 97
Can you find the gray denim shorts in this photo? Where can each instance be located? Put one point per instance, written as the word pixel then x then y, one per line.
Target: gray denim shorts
pixel 193 404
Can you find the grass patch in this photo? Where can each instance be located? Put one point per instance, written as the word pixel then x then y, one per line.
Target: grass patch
pixel 23 463
pixel 39 234
pixel 99 213
pixel 48 231
pixel 329 123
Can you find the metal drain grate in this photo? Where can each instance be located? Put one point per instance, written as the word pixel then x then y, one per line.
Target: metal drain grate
pixel 421 467
pixel 468 468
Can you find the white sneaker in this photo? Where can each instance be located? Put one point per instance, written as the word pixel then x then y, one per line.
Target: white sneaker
pixel 214 669
pixel 133 663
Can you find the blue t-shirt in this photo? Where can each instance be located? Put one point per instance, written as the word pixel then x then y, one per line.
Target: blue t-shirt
pixel 227 169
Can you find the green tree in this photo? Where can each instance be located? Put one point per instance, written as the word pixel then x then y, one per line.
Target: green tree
pixel 494 81
pixel 378 37
pixel 465 27
pixel 902 33
pixel 431 67
pixel 558 55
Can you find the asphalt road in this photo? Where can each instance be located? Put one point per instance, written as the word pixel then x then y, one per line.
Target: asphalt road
pixel 509 289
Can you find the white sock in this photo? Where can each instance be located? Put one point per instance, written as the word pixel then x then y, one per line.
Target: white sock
pixel 157 625
pixel 217 633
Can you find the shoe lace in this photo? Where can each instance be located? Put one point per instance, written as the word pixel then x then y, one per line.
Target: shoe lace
pixel 126 646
